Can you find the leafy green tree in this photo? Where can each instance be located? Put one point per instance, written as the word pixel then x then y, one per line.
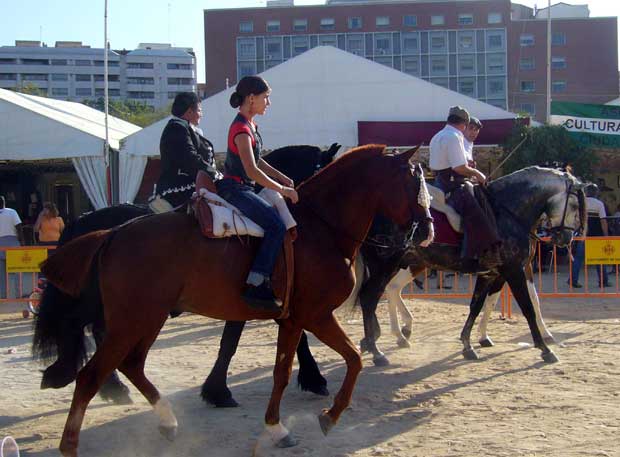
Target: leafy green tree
pixel 546 145
pixel 29 88
pixel 136 112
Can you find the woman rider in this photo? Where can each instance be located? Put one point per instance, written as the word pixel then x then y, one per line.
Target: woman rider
pixel 243 169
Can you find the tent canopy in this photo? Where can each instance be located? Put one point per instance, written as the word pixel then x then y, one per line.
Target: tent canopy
pixel 318 98
pixel 39 128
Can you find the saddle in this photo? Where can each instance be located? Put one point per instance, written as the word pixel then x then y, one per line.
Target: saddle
pixel 219 219
pixel 438 203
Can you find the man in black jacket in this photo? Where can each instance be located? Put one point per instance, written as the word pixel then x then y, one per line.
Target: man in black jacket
pixel 184 151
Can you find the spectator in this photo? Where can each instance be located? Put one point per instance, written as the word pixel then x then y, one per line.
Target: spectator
pixel 597 226
pixel 10 236
pixel 49 225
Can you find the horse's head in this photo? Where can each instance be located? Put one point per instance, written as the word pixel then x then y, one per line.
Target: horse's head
pixel 566 211
pixel 407 202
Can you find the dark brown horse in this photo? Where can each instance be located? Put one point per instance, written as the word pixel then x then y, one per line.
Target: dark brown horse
pixel 205 276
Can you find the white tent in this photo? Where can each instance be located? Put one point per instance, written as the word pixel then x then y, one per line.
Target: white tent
pixel 318 98
pixel 39 128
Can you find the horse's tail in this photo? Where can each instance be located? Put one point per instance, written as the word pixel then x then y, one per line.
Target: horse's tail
pixel 70 266
pixel 59 326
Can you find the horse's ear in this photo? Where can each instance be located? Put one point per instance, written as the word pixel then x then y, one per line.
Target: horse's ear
pixel 331 152
pixel 407 155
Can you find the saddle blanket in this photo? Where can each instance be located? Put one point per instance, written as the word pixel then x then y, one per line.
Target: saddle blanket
pixel 229 221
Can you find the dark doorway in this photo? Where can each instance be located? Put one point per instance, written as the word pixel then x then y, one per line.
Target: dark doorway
pixel 63 197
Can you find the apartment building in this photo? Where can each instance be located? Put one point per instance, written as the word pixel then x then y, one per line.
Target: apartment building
pixel 153 73
pixel 470 46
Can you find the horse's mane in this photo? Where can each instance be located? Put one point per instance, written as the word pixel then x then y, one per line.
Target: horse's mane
pixel 339 166
pixel 534 176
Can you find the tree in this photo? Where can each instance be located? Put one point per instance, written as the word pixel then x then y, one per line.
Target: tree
pixel 29 88
pixel 546 145
pixel 133 111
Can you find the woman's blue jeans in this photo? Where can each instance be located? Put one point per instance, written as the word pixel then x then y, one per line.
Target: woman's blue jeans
pixel 261 212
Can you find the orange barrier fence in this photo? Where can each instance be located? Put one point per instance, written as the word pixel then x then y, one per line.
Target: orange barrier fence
pixel 553 275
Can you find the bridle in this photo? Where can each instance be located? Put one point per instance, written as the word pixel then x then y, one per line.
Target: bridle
pixel 562 227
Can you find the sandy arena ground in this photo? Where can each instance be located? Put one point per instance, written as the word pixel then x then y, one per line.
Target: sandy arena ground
pixel 429 402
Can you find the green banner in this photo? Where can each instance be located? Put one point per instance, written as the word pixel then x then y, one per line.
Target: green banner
pixel 592 125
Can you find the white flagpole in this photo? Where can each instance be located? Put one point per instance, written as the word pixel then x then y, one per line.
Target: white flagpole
pixel 549 62
pixel 105 101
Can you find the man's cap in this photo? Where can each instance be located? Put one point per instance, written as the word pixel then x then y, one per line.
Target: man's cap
pixel 475 121
pixel 459 112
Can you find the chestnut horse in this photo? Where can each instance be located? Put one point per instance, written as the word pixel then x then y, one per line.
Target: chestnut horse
pixel 205 276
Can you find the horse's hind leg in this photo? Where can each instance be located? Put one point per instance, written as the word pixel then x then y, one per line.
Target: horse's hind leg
pixel 113 388
pixel 90 378
pixel 288 339
pixel 133 367
pixel 331 333
pixel 309 377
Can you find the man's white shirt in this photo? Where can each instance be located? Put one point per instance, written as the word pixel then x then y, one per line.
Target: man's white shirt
pixel 9 219
pixel 447 149
pixel 469 149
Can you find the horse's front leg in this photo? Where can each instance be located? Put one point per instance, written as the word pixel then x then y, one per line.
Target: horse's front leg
pixel 518 284
pixel 481 291
pixel 288 339
pixel 214 390
pixel 330 332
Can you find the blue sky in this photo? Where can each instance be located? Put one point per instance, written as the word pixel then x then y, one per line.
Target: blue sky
pixel 137 21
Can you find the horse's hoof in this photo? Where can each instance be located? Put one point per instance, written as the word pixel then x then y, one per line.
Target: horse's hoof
pixel 550 357
pixel 470 354
pixel 381 361
pixel 487 343
pixel 229 402
pixel 364 347
pixel 320 390
pixel 326 423
pixel 170 433
pixel 117 394
pixel 403 343
pixel 287 441
pixel 406 331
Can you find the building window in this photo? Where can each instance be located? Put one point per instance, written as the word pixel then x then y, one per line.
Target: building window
pixel 466 19
pixel 60 91
pixel 467 64
pixel 527 63
pixel 60 77
pixel 273 49
pixel 83 78
pixel 443 82
pixel 466 41
pixel 355 23
pixel 382 21
pixel 111 63
pixel 496 87
pixel 438 19
pixel 558 39
pixel 141 95
pixel 246 27
pixel 411 43
pixel 528 86
pixel 111 92
pixel 496 64
pixel 35 62
pixel 438 42
pixel 111 78
pixel 300 25
pixel 328 40
pixel 147 81
pixel 467 86
pixel 328 23
pixel 34 77
pixel 246 48
pixel 171 81
pixel 8 76
pixel 439 65
pixel 387 61
pixel 273 26
pixel 383 43
pixel 529 108
pixel 300 45
pixel 355 44
pixel 558 86
pixel 558 63
pixel 84 91
pixel 140 65
pixel 495 18
pixel 5 61
pixel 61 62
pixel 411 65
pixel 82 63
pixel 246 69
pixel 526 39
pixel 179 66
pixel 410 20
pixel 495 40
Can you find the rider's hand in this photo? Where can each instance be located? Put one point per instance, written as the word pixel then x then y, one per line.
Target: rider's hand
pixel 286 181
pixel 480 177
pixel 290 193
